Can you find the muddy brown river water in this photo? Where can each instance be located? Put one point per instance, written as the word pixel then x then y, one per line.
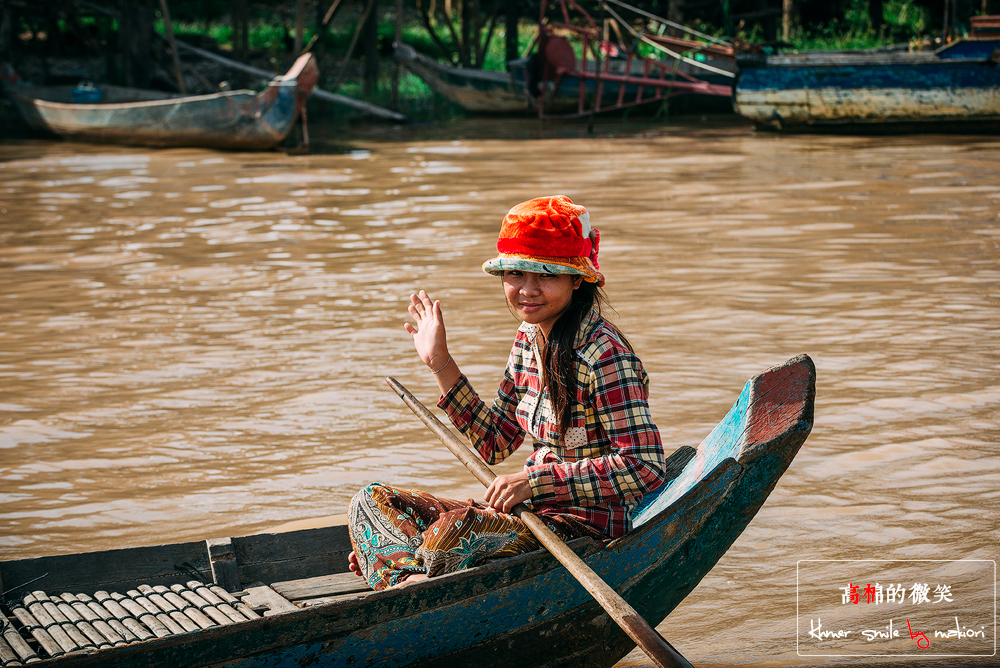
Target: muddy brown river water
pixel 193 343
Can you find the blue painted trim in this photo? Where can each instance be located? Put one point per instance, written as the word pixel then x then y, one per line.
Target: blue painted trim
pixel 946 74
pixel 969 49
pixel 725 442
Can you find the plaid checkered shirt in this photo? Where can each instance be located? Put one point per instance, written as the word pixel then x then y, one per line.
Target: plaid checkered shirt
pixel 611 453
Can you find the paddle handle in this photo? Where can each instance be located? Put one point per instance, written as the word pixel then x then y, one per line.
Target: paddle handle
pixel 645 636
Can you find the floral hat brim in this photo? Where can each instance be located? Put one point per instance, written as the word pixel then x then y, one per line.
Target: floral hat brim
pixel 578 266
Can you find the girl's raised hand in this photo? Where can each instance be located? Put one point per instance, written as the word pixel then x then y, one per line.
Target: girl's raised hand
pixel 429 337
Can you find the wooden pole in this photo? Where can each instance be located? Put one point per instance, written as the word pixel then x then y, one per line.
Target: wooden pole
pixel 173 45
pixel 511 16
pixel 321 28
pixel 394 96
pixel 675 14
pixel 135 32
pixel 342 71
pixel 876 11
pixel 371 49
pixel 300 25
pixel 241 29
pixel 786 20
pixel 630 621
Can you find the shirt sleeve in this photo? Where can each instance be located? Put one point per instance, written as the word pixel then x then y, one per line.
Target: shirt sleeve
pixel 617 392
pixel 493 431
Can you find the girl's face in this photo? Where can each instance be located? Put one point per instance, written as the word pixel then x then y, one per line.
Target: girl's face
pixel 539 299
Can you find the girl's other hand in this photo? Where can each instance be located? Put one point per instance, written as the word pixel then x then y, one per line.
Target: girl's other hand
pixel 506 491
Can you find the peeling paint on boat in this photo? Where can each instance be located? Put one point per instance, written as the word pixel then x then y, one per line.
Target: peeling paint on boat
pixel 958 85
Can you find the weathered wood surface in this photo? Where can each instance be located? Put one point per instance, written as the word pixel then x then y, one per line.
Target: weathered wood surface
pixel 957 84
pixel 480 91
pixel 225 569
pixel 292 555
pixel 260 558
pixel 527 611
pixel 337 584
pixel 232 119
pixel 112 569
pixel 264 597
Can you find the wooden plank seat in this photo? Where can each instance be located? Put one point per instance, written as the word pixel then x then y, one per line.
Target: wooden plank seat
pixel 337 584
pixel 42 626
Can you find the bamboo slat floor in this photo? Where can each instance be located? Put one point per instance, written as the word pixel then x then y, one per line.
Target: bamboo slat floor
pixel 46 626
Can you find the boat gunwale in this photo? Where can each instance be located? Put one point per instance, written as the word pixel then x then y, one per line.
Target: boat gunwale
pixel 143 104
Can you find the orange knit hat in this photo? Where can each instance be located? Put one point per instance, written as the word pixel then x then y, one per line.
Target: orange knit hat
pixel 548 235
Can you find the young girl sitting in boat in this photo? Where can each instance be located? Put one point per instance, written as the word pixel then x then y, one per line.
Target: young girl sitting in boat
pixel 572 382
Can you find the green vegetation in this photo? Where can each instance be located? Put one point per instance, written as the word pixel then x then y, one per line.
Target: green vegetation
pixel 275 38
pixel 42 30
pixel 904 22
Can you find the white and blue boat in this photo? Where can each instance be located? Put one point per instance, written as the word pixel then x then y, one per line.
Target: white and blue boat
pixel 954 87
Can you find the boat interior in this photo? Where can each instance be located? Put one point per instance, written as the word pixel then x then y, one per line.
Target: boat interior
pixel 91 601
pixel 88 602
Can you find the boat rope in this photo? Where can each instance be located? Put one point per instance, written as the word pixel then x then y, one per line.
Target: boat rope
pixel 22 586
pixel 671 24
pixel 660 47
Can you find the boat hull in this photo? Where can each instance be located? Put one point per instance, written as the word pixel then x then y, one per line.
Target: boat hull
pixel 925 91
pixel 478 91
pixel 486 92
pixel 524 611
pixel 232 120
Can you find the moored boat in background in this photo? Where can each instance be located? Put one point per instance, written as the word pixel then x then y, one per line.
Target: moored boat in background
pixel 288 598
pixel 478 91
pixel 954 87
pixel 239 119
pixel 608 75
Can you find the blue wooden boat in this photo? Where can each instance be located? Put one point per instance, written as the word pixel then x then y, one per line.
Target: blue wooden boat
pixel 285 599
pixel 239 119
pixel 957 86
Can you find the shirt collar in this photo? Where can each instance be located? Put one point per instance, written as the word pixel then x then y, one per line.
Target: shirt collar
pixel 529 331
pixel 587 327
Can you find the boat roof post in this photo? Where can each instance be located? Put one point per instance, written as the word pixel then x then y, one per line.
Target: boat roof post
pixel 222 557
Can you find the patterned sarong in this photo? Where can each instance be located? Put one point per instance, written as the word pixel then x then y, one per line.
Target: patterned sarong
pixel 397 532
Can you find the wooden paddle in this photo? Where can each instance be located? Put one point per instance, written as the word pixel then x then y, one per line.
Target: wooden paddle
pixel 630 621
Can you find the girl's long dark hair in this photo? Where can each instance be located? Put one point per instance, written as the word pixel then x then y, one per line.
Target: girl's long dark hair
pixel 559 358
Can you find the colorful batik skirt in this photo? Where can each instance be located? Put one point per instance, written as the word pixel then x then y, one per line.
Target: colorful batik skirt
pixel 397 532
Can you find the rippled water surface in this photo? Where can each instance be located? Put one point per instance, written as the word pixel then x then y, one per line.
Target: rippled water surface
pixel 193 343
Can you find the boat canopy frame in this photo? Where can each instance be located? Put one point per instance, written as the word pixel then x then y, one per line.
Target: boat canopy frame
pixel 642 80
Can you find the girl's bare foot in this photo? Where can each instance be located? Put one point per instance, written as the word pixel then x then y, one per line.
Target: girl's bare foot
pixel 410 579
pixel 352 563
